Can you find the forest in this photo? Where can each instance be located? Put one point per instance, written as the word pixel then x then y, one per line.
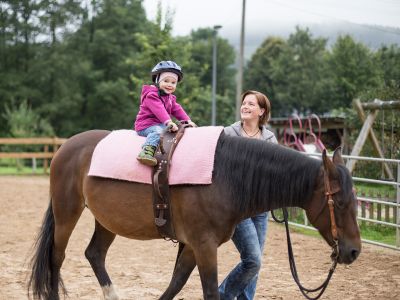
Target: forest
pixel 66 67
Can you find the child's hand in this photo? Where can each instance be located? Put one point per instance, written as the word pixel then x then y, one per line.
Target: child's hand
pixel 171 126
pixel 192 124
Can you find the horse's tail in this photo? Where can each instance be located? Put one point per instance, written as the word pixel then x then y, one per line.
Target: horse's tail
pixel 40 281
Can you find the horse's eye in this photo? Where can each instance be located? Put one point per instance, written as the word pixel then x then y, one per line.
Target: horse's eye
pixel 340 201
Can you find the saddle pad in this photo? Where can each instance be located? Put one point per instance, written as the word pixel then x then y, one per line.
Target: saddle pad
pixel 192 162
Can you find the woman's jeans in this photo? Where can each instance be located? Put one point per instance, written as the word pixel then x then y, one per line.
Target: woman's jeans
pixel 249 239
pixel 152 134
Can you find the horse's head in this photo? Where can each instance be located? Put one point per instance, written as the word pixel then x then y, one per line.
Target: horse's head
pixel 337 224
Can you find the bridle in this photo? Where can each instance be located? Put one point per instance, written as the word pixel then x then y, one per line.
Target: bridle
pixel 335 247
pixel 331 204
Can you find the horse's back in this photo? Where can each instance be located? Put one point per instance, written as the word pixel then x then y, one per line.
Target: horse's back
pixel 72 160
pixel 84 139
pixel 81 142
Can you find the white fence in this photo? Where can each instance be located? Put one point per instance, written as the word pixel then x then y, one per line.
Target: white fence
pixel 378 209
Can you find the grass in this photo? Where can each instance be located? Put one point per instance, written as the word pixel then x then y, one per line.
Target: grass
pixel 12 166
pixel 369 231
pixel 20 171
pixel 376 189
pixel 378 233
pixel 384 235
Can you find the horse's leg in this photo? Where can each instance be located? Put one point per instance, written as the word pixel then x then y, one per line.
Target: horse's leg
pixel 96 254
pixel 206 259
pixel 183 268
pixel 65 217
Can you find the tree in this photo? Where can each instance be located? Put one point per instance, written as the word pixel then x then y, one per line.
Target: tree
pixel 301 67
pixel 353 70
pixel 260 73
pixel 96 60
pixel 22 121
pixel 86 64
pixel 199 69
pixel 58 14
pixel 291 73
pixel 17 50
pixel 387 60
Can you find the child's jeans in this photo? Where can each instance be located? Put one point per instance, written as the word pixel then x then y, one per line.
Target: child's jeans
pixel 152 134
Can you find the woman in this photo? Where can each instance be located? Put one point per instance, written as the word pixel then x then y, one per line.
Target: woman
pixel 249 235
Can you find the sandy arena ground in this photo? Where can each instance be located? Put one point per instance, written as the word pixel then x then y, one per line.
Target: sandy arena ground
pixel 141 270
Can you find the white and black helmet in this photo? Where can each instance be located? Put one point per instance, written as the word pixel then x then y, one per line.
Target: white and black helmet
pixel 166 66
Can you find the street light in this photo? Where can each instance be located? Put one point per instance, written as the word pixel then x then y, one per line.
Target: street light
pixel 239 83
pixel 214 76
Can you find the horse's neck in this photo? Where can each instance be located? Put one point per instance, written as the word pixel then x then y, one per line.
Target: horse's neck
pixel 279 199
pixel 260 178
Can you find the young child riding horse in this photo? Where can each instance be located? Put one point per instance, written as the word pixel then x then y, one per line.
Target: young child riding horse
pixel 157 105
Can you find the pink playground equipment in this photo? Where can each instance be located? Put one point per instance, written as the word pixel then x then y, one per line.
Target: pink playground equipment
pixel 304 139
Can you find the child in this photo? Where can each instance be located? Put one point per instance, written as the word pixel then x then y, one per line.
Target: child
pixel 157 105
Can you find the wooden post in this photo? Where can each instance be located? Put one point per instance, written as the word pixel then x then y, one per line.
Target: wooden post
pixel 34 165
pixel 387 213
pixel 379 207
pixel 367 130
pixel 371 210
pixel 345 140
pixel 379 104
pixel 396 213
pixel 379 211
pixel 363 211
pixel 45 161
pixel 362 137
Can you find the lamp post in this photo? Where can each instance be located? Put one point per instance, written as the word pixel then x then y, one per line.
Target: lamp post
pixel 214 76
pixel 241 63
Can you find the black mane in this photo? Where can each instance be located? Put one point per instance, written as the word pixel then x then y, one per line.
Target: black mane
pixel 258 174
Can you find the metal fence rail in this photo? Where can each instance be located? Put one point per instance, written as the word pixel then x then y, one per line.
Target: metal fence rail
pixel 365 201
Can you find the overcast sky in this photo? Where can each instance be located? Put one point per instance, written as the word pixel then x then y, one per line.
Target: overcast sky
pixel 192 14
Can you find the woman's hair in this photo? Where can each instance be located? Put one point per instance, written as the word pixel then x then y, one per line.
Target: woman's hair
pixel 263 102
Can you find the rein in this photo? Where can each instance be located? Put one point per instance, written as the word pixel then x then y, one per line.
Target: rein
pixel 335 247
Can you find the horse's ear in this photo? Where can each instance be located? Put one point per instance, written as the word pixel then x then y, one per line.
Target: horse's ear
pixel 328 164
pixel 337 156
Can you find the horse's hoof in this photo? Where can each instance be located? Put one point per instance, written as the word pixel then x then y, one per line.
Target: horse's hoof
pixel 109 292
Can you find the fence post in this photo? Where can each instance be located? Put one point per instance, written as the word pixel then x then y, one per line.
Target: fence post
pixel 398 207
pixel 45 161
pixel 55 145
pixel 387 211
pixel 363 204
pixel 371 210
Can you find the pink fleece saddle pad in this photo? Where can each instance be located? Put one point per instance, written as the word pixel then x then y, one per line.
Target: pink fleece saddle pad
pixel 192 162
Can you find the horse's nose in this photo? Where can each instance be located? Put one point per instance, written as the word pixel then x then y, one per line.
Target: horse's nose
pixel 354 254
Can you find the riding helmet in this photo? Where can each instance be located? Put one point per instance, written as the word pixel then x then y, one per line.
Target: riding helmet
pixel 166 66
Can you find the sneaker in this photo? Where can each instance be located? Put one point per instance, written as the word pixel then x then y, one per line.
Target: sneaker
pixel 146 156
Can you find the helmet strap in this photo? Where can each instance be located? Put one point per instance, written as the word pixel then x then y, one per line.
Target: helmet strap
pixel 161 92
pixel 158 79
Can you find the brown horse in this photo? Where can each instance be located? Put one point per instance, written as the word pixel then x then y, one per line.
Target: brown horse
pixel 249 177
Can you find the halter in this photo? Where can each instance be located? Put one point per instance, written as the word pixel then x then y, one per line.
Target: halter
pixel 331 203
pixel 335 247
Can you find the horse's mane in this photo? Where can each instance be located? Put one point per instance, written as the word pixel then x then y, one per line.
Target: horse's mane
pixel 259 174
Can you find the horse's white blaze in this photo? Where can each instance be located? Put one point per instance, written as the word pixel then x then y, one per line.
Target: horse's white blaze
pixel 109 292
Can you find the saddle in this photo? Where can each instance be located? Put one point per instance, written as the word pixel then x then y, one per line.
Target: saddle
pixel 161 199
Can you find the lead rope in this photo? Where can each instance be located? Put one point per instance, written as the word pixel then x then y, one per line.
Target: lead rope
pixel 292 263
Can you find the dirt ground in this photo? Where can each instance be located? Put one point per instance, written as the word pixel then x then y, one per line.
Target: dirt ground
pixel 141 270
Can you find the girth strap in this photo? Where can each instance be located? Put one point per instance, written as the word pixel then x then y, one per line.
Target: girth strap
pixel 161 199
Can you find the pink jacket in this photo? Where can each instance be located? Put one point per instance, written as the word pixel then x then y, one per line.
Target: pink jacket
pixel 155 109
